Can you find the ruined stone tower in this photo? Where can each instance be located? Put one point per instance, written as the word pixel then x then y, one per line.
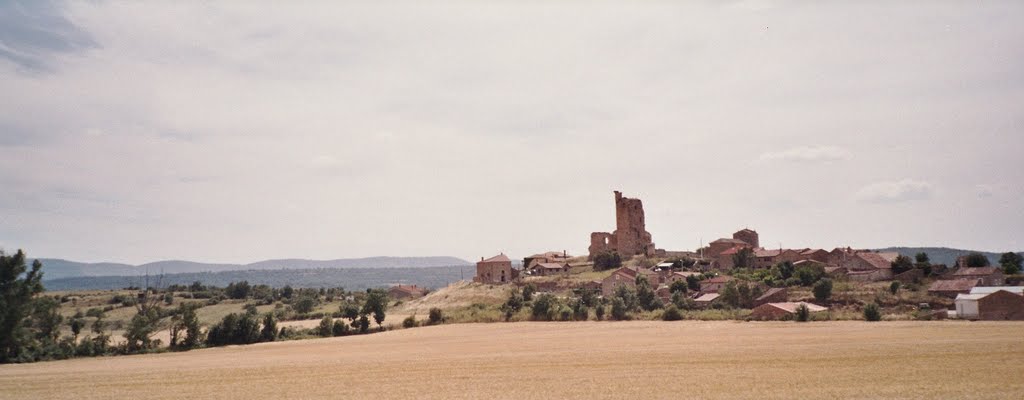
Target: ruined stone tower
pixel 630 237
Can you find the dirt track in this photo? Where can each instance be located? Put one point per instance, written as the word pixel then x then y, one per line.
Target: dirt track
pixel 569 360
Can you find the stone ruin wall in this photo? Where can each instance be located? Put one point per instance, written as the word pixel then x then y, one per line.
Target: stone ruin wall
pixel 630 236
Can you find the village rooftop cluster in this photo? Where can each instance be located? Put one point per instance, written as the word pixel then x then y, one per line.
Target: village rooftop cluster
pixel 978 292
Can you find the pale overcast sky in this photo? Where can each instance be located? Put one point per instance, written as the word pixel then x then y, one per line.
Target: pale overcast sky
pixel 240 131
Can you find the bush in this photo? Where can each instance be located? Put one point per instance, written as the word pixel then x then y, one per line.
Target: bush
pixel 894 287
pixel 599 312
pixel 671 314
pixel 544 307
pixel 326 328
pixel 619 311
pixel 872 312
pixel 580 311
pixel 409 322
pixel 528 291
pixel 436 316
pixel 803 313
pixel 234 329
pixel 607 260
pixel 305 305
pixel 339 329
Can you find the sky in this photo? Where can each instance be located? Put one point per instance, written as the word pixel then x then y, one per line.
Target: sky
pixel 240 131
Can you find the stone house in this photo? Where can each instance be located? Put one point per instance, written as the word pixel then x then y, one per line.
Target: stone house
pixel 497 269
pixel 546 269
pixel 818 255
pixel 621 277
pixel 988 276
pixel 406 292
pixel 748 236
pixel 547 257
pixel 869 266
pixel 951 288
pixel 718 246
pixel 764 258
pixel 776 311
pixel 706 300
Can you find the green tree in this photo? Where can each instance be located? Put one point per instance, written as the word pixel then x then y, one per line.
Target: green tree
pixel 599 311
pixel 376 304
pixel 305 304
pixel 341 328
pixel 326 328
pixel 977 260
pixel 922 258
pixel 678 286
pixel 1011 263
pixel 580 311
pixel 645 295
pixel 269 331
pixel 619 310
pixel 513 304
pixel 808 274
pixel 287 292
pixel 528 291
pixel 872 312
pixel 142 326
pixel 693 282
pixel 803 313
pixel 744 258
pixel 901 264
pixel 76 327
pixel 409 322
pixel 239 290
pixel 894 287
pixel 729 294
pixel 544 307
pixel 46 319
pixel 822 289
pixel 17 287
pixel 350 312
pixel 628 297
pixel 607 260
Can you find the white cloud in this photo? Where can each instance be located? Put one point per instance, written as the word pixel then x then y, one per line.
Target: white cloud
pixel 808 154
pixel 895 192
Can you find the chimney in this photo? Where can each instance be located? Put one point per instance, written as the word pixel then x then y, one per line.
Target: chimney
pixel 481 258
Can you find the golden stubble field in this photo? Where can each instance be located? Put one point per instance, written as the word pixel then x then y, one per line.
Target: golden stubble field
pixel 627 360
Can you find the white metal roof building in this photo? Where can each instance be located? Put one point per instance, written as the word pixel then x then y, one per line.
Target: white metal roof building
pixel 967 305
pixel 993 289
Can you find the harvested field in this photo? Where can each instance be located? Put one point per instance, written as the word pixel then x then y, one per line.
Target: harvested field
pixel 636 360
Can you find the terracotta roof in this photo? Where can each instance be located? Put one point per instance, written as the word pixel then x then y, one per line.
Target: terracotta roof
pixel 979 271
pixel 626 270
pixel 953 285
pixel 727 240
pixel 791 307
pixel 810 251
pixel 876 260
pixel 748 230
pixel 731 251
pixel 498 258
pixel 889 256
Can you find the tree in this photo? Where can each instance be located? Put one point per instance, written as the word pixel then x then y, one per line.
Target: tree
pixel 409 322
pixel 544 307
pixel 376 304
pixel 628 297
pixel 1011 263
pixel 976 260
pixel 17 287
pixel 901 264
pixel 808 274
pixel 350 312
pixel 528 291
pixel 238 290
pixel 76 327
pixel 619 310
pixel 341 328
pixel 693 283
pixel 142 326
pixel 269 331
pixel 599 311
pixel 287 291
pixel 922 258
pixel 326 328
pixel 645 295
pixel 234 329
pixel 803 313
pixel 744 258
pixel 435 316
pixel 580 311
pixel 894 287
pixel 822 289
pixel 46 319
pixel 872 312
pixel 678 286
pixel 607 260
pixel 513 304
pixel 305 304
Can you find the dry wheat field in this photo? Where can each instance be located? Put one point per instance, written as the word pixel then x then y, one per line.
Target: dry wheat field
pixel 628 360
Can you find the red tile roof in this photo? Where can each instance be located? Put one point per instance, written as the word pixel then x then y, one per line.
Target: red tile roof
pixel 727 240
pixel 550 266
pixel 767 253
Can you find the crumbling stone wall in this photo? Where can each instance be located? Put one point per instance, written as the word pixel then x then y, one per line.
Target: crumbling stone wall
pixel 630 236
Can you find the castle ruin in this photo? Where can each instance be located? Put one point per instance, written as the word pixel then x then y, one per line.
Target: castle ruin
pixel 630 237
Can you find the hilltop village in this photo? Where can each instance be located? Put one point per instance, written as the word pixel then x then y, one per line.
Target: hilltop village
pixel 738 273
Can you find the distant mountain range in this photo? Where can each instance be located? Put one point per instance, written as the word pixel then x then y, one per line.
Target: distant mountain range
pixel 943 255
pixel 55 268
